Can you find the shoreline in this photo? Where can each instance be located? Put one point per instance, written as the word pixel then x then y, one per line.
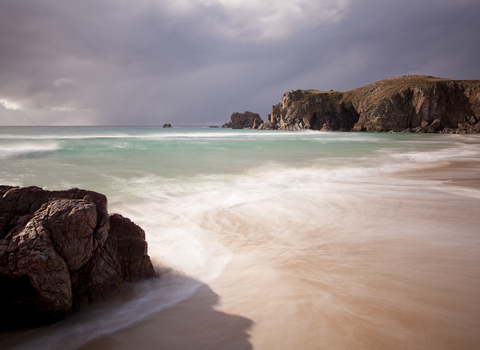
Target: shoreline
pixel 383 262
pixel 457 172
pixel 377 288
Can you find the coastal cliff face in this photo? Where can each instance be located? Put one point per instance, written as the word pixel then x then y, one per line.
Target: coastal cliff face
pixel 311 109
pixel 409 103
pixel 61 250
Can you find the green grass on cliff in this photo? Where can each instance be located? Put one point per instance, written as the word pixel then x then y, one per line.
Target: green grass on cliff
pixel 385 89
pixel 391 85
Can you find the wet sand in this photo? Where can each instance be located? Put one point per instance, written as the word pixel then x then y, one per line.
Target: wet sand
pixel 373 262
pixel 393 264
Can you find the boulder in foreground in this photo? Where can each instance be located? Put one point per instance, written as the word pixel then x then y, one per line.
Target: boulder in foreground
pixel 61 250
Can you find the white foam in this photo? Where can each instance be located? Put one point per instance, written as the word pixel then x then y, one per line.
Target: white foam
pixel 184 216
pixel 157 135
pixel 22 149
pixel 62 137
pixel 465 151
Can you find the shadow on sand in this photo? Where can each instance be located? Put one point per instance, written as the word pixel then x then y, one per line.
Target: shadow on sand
pixel 191 324
pixel 149 315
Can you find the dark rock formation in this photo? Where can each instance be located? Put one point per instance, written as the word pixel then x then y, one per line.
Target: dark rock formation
pixel 243 120
pixel 60 250
pixel 411 103
pixel 311 109
pixel 167 125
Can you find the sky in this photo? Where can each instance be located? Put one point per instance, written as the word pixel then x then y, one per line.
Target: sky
pixel 195 62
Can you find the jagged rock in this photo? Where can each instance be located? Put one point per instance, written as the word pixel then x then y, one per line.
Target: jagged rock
pixel 257 122
pixel 243 120
pixel 270 126
pixel 167 125
pixel 396 104
pixel 435 126
pixel 310 109
pixel 60 250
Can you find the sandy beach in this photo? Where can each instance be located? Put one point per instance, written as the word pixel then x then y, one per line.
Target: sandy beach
pixel 319 241
pixel 394 265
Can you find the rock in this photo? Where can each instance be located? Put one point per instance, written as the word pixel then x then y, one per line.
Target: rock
pixel 418 103
pixel 257 122
pixel 243 120
pixel 167 125
pixel 60 250
pixel 311 109
pixel 270 126
pixel 435 126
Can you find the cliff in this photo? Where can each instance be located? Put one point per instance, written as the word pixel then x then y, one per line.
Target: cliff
pixel 410 103
pixel 61 250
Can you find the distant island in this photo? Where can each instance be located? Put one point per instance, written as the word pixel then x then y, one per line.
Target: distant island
pixel 411 103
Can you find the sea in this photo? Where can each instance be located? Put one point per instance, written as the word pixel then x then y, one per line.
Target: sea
pixel 272 239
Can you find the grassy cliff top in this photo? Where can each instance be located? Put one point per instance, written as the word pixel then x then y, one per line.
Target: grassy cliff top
pixel 380 90
pixel 407 81
pixel 386 88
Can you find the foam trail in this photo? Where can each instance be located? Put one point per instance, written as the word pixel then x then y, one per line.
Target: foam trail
pixel 24 149
pixel 304 228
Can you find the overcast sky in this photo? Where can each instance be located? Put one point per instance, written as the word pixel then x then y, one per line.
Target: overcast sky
pixel 149 62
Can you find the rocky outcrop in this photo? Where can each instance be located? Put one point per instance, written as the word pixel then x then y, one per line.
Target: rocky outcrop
pixel 244 120
pixel 311 109
pixel 167 125
pixel 61 250
pixel 410 103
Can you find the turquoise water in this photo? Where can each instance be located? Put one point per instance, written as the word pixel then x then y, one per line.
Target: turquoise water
pixel 59 157
pixel 283 226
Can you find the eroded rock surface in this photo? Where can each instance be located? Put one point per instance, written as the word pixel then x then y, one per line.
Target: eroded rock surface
pixel 244 120
pixel 61 250
pixel 410 103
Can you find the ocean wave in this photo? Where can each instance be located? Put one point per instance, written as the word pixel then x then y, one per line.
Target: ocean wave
pixel 63 137
pixel 26 149
pixel 461 151
pixel 184 216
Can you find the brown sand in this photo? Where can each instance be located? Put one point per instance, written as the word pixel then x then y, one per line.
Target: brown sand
pixel 397 266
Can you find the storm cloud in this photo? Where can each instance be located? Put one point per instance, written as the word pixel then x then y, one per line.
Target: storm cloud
pixel 146 62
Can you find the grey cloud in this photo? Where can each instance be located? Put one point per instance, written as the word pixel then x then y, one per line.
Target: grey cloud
pixel 124 62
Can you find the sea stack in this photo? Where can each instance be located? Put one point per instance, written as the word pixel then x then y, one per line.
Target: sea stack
pixel 61 250
pixel 244 120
